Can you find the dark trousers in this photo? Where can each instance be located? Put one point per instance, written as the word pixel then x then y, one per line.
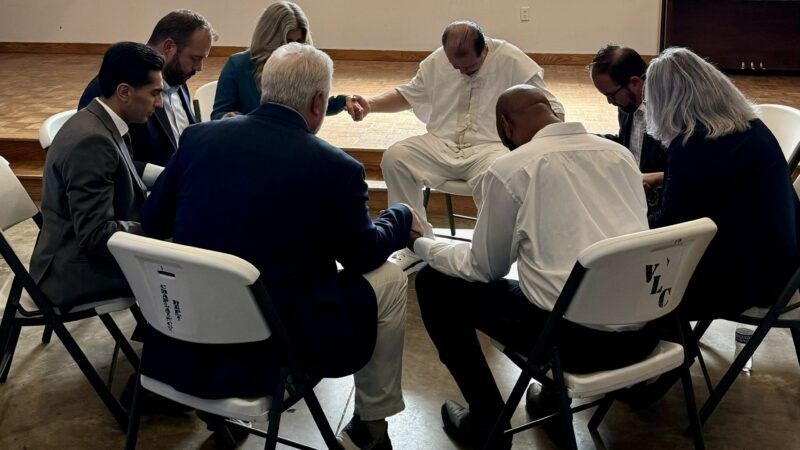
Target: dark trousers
pixel 453 309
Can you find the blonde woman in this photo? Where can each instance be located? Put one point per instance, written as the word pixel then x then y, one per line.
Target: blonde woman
pixel 238 89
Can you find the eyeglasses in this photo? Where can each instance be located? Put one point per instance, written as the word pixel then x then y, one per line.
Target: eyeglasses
pixel 613 95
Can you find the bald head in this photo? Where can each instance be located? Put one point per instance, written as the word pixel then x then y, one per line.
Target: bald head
pixel 465 46
pixel 522 111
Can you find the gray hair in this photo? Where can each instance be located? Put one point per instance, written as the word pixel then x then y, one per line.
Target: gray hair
pixel 294 73
pixel 683 90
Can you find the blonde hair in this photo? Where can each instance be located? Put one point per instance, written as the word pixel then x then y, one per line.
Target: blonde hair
pixel 683 90
pixel 275 23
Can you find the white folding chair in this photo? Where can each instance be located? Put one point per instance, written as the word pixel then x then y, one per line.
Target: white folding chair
pixel 26 305
pixel 51 125
pixel 631 279
pixel 450 188
pixel 784 123
pixel 207 297
pixel 204 101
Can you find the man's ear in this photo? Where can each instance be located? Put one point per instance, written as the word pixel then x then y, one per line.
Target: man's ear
pixel 508 127
pixel 124 92
pixel 636 82
pixel 319 104
pixel 168 48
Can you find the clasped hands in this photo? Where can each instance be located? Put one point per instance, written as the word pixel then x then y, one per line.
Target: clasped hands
pixel 357 106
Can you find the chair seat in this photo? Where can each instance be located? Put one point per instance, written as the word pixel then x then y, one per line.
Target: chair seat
pixel 666 356
pixel 757 313
pixel 251 410
pixel 455 187
pixel 100 307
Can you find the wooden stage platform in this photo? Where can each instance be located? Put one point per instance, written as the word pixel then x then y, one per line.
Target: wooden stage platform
pixel 35 86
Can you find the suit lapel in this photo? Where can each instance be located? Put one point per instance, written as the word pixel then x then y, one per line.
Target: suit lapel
pixel 163 120
pixel 122 149
pixel 187 104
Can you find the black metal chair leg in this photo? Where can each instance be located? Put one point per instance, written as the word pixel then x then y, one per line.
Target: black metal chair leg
pixel 564 408
pixel 113 367
pixel 91 374
pixel 691 407
pixel 47 334
pixel 124 345
pixel 450 219
pixel 508 410
pixel 733 371
pixel 8 352
pixel 135 413
pixel 796 339
pixel 600 412
pixel 274 415
pixel 319 418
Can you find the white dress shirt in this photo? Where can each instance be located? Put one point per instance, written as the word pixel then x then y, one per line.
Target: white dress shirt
pixel 460 109
pixel 638 129
pixel 151 171
pixel 173 106
pixel 543 204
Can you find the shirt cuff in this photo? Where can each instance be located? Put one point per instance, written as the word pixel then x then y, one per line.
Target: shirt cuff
pixel 422 247
pixel 150 174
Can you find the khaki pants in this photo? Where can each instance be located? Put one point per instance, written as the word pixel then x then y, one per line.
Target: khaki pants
pixel 426 160
pixel 379 392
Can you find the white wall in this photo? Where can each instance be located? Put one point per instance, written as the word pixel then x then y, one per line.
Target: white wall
pixel 556 26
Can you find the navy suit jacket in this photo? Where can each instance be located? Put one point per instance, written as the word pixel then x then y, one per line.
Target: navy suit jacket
pixel 153 141
pixel 742 182
pixel 263 187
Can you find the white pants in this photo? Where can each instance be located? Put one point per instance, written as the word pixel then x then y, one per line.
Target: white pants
pixel 426 160
pixel 379 393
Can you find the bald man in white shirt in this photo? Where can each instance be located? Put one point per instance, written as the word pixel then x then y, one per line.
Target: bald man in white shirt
pixel 558 191
pixel 454 93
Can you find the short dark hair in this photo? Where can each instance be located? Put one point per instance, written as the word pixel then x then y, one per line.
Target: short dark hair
pixel 479 40
pixel 179 26
pixel 130 63
pixel 619 63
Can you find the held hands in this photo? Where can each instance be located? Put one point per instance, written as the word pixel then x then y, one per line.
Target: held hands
pixel 416 229
pixel 652 180
pixel 357 106
pixel 230 114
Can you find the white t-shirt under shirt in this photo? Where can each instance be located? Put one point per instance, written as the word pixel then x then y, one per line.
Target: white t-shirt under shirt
pixel 543 204
pixel 460 109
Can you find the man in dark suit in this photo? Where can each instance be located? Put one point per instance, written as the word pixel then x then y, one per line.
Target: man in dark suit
pixel 91 188
pixel 184 39
pixel 293 205
pixel 618 73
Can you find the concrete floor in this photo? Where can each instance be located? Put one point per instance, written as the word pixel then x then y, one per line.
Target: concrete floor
pixel 47 404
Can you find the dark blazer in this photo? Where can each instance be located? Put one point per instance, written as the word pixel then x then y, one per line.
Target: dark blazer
pixel 742 182
pixel 264 188
pixel 653 157
pixel 237 91
pixel 153 141
pixel 89 193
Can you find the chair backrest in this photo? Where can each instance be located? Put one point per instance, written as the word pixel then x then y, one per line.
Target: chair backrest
pixel 15 203
pixel 51 125
pixel 638 277
pixel 204 98
pixel 191 294
pixel 784 123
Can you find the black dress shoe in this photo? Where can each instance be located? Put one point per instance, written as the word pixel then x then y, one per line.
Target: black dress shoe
pixel 540 402
pixel 460 425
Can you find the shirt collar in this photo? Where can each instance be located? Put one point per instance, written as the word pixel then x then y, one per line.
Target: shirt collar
pixel 169 90
pixel 305 122
pixel 560 129
pixel 122 127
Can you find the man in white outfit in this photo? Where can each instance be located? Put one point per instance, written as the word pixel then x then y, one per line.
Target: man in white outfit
pixel 454 92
